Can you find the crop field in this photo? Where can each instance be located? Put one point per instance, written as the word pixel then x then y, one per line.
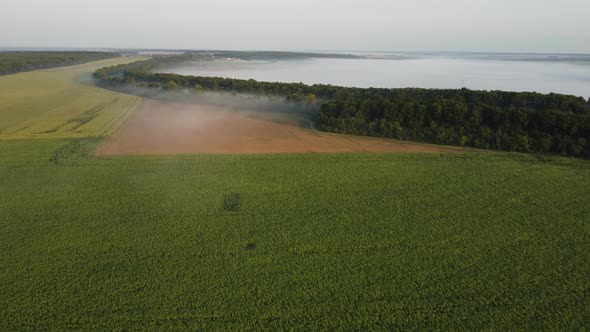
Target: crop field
pixel 305 241
pixel 21 61
pixel 182 128
pixel 59 103
pixel 354 241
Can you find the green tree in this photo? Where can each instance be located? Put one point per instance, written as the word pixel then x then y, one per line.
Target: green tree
pixel 171 85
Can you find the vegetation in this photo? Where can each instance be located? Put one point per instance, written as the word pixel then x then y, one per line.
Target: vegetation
pixel 508 121
pixel 362 241
pixel 305 242
pixel 525 122
pixel 273 55
pixel 171 85
pixel 14 62
pixel 50 104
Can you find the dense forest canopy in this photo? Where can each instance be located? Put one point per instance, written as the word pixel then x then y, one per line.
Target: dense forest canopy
pixel 15 62
pixel 508 121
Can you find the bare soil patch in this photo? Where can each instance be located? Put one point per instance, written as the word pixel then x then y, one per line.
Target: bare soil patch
pixel 178 128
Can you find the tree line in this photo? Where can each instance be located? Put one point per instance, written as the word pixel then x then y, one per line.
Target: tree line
pixel 15 62
pixel 461 121
pixel 498 120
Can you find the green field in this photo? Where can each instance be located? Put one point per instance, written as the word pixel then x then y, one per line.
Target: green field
pixel 12 62
pixel 311 241
pixel 61 103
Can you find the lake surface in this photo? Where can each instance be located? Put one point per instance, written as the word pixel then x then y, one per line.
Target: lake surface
pixel 541 74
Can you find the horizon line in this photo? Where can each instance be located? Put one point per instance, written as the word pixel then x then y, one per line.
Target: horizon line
pixel 17 48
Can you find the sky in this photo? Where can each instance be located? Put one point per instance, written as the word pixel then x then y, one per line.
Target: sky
pixel 540 26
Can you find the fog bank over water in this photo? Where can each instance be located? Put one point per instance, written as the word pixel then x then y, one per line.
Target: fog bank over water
pixel 567 74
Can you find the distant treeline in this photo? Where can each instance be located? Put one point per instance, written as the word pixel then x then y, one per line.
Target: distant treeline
pixel 15 62
pixel 273 55
pixel 508 121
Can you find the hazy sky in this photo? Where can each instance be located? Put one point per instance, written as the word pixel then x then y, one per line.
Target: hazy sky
pixel 386 25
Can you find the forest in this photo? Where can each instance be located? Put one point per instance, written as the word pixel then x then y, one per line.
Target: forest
pixel 497 120
pixel 19 61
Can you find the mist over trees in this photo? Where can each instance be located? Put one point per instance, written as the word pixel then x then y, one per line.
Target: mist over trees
pixel 497 120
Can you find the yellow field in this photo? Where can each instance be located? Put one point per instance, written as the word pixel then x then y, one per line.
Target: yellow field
pixel 61 103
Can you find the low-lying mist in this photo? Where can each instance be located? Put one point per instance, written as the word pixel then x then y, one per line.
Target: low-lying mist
pixel 275 109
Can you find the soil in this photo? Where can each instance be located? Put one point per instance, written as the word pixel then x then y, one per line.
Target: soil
pixel 177 128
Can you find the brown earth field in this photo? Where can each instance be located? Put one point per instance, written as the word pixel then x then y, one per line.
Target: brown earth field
pixel 181 128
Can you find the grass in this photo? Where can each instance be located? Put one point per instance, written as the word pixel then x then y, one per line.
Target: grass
pixel 319 241
pixel 61 103
pixel 19 61
pixel 310 241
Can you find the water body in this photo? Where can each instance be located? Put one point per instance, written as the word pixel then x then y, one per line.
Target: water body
pixel 568 74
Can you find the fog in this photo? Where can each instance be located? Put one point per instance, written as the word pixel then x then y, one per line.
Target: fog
pixel 275 109
pixel 539 74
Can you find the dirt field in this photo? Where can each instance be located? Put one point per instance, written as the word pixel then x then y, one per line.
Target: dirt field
pixel 178 128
